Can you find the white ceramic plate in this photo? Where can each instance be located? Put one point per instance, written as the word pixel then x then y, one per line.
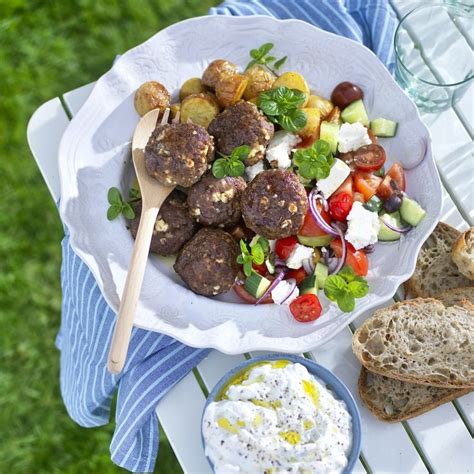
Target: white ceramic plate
pixel 95 155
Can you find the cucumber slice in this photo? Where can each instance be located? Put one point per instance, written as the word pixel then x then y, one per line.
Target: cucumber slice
pixel 270 266
pixel 256 285
pixel 374 204
pixel 309 285
pixel 321 272
pixel 319 241
pixel 355 112
pixel 329 133
pixel 385 233
pixel 383 127
pixel 411 212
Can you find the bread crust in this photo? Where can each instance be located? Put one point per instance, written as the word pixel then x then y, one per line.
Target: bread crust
pixel 462 254
pixel 446 395
pixel 359 347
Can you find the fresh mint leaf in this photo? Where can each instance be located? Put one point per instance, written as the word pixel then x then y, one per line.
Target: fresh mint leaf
pixel 128 211
pixel 280 62
pixel 240 259
pixel 235 168
pixel 265 48
pixel 248 268
pixel 240 153
pixel 134 194
pixel 258 255
pixel 113 211
pixel 243 247
pixel 263 242
pixel 358 289
pixel 219 168
pixel 314 162
pixel 114 196
pixel 334 287
pixel 346 302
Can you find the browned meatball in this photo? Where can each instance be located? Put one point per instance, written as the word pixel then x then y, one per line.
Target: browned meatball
pixel 207 263
pixel 274 204
pixel 178 153
pixel 216 202
pixel 242 124
pixel 173 226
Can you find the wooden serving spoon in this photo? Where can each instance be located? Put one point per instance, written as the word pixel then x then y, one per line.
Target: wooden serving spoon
pixel 153 194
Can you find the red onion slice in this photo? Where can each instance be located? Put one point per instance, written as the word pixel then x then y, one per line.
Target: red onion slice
pixel 313 199
pixel 275 282
pixel 400 230
pixel 308 265
pixel 342 260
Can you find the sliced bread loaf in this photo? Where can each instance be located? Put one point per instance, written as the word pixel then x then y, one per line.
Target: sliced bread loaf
pixel 435 271
pixel 419 341
pixel 393 400
pixel 458 296
pixel 463 253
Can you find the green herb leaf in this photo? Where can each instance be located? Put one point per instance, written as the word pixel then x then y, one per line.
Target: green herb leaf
pixel 240 259
pixel 334 287
pixel 235 168
pixel 134 194
pixel 294 120
pixel 114 211
pixel 265 48
pixel 243 247
pixel 280 62
pixel 219 168
pixel 114 196
pixel 359 289
pixel 240 153
pixel 263 242
pixel 346 302
pixel 128 211
pixel 314 162
pixel 347 272
pixel 248 268
pixel 258 255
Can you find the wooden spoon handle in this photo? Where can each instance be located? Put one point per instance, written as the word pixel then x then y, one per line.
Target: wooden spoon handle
pixel 131 292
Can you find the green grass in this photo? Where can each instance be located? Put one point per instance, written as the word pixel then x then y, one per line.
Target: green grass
pixel 47 48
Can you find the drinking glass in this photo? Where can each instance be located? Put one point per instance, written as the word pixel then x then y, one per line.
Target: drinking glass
pixel 434 56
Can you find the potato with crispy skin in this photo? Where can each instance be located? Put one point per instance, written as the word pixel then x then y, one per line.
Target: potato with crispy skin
pixel 200 109
pixel 191 86
pixel 231 89
pixel 335 116
pixel 313 121
pixel 151 95
pixel 325 106
pixel 216 71
pixel 293 80
pixel 260 80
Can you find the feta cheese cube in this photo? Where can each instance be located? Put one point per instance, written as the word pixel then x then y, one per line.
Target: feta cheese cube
pixel 281 291
pixel 363 226
pixel 298 255
pixel 252 171
pixel 338 173
pixel 279 149
pixel 352 136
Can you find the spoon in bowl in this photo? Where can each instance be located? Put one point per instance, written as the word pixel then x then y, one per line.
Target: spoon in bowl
pixel 153 195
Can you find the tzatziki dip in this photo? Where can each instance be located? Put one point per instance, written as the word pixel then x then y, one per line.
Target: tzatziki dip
pixel 276 417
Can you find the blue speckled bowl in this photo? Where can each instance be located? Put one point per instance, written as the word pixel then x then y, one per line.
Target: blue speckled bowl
pixel 340 391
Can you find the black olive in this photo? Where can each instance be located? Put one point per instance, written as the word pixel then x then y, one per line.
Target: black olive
pixel 393 203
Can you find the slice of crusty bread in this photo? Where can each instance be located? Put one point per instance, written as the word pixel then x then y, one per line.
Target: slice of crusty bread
pixel 393 400
pixel 435 271
pixel 419 341
pixel 463 253
pixel 458 296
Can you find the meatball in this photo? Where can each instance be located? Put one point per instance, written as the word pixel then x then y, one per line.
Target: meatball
pixel 242 124
pixel 149 96
pixel 216 202
pixel 274 204
pixel 178 154
pixel 207 263
pixel 173 227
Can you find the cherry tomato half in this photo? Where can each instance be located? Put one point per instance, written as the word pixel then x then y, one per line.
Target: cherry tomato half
pixel 299 275
pixel 357 259
pixel 340 205
pixel 244 295
pixel 345 93
pixel 284 247
pixel 306 308
pixel 366 183
pixel 310 227
pixel 260 269
pixel 369 157
pixel 394 181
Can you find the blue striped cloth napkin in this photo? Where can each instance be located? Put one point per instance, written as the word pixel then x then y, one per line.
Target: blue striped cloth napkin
pixel 156 362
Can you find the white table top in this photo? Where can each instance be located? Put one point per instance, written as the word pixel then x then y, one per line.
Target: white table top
pixel 438 441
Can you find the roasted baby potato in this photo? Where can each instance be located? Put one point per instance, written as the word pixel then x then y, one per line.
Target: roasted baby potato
pixel 335 116
pixel 231 89
pixel 311 129
pixel 293 80
pixel 191 86
pixel 324 105
pixel 216 71
pixel 260 80
pixel 151 95
pixel 175 109
pixel 201 109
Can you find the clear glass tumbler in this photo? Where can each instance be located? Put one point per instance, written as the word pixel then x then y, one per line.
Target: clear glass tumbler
pixel 434 55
